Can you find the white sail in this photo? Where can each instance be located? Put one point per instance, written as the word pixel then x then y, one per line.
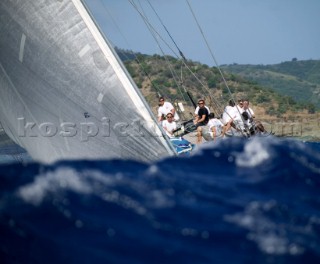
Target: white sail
pixel 64 94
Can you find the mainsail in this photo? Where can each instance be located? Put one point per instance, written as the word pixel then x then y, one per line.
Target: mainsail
pixel 64 93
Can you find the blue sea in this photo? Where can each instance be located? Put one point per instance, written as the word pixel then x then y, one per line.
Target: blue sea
pixel 232 201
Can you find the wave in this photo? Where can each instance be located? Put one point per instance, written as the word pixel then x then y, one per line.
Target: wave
pixel 232 201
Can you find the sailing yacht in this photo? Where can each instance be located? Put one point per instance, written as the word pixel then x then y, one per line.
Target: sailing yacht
pixel 64 93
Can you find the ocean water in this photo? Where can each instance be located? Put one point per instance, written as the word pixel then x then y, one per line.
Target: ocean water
pixel 9 151
pixel 232 201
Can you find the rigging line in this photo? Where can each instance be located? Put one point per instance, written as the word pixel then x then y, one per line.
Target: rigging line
pixel 180 52
pixel 154 33
pixel 171 38
pixel 210 51
pixel 142 68
pixel 208 46
pixel 184 59
pixel 151 27
pixel 155 38
pixel 185 90
pixel 175 76
pixel 202 84
pixel 203 87
pixel 131 52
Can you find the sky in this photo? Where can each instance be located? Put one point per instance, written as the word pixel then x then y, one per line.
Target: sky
pixel 237 31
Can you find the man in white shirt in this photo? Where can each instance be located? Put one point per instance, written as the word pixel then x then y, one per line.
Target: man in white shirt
pixel 254 126
pixel 169 125
pixel 247 113
pixel 216 128
pixel 229 113
pixel 164 109
pixel 231 116
pixel 240 105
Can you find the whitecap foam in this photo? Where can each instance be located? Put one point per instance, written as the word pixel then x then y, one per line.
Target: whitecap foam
pixel 61 179
pixel 255 153
pixel 271 237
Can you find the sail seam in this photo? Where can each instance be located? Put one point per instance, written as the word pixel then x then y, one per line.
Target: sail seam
pixel 22 44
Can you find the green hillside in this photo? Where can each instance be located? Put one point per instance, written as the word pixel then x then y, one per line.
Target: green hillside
pixel 297 79
pixel 166 76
